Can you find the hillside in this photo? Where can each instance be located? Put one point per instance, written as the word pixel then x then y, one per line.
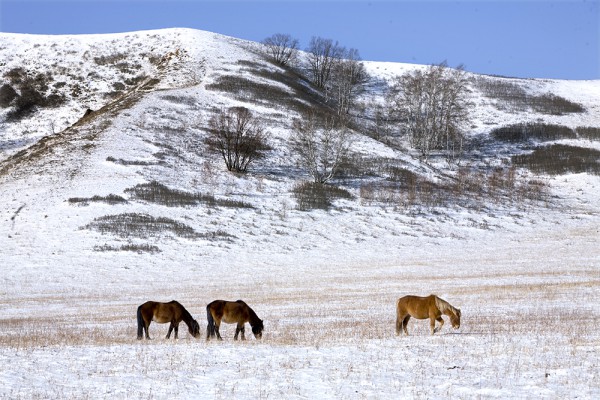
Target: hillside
pixel 152 103
pixel 124 204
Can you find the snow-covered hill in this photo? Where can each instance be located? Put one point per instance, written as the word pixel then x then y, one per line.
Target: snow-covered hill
pixel 75 235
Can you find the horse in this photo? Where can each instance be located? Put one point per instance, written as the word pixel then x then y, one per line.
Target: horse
pixel 232 312
pixel 431 307
pixel 162 313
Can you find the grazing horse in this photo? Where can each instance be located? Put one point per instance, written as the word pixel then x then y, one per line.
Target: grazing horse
pixel 231 312
pixel 431 307
pixel 162 313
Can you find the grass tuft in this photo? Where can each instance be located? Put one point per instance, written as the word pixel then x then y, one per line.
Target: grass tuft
pixel 560 159
pixel 110 199
pixel 140 226
pixel 155 192
pixel 318 196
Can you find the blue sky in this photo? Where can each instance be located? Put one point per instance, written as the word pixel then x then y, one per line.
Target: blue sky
pixel 528 39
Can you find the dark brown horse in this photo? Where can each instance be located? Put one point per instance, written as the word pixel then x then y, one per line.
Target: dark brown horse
pixel 231 312
pixel 162 313
pixel 431 307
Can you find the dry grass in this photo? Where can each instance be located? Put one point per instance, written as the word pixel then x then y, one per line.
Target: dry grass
pixel 534 304
pixel 335 329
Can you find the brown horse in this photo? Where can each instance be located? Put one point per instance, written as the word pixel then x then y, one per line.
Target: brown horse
pixel 431 307
pixel 162 313
pixel 231 312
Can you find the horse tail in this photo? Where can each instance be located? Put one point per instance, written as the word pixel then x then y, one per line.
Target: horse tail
pixel 400 315
pixel 140 321
pixel 210 328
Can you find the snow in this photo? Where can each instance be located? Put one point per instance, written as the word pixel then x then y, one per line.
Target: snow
pixel 324 282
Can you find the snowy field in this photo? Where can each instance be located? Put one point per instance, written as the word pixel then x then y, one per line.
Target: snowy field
pixel 526 276
pixel 529 329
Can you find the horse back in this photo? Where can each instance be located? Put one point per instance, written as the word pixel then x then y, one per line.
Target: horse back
pixel 417 306
pixel 229 311
pixel 162 312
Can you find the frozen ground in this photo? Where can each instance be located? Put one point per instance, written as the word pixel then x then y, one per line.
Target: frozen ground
pixel 529 329
pixel 325 282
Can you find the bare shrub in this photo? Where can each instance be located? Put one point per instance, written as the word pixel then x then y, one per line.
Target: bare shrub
pixel 33 93
pixel 295 94
pixel 15 75
pixel 471 188
pixel 502 89
pixel 588 132
pixel 26 102
pixel 158 193
pixel 7 95
pixel 314 195
pixel 112 59
pixel 140 226
pixel 136 80
pixel 120 161
pixel 231 203
pixel 180 99
pixel 110 199
pixel 238 137
pixel 403 175
pixel 520 133
pixel 554 105
pixel 282 48
pixel 560 159
pixel 251 90
pixel 420 193
pixel 513 97
pixel 137 248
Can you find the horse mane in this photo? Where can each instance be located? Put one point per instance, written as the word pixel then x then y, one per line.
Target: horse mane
pixel 185 314
pixel 253 317
pixel 444 306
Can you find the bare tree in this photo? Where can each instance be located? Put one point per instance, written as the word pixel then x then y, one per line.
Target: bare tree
pixel 238 137
pixel 432 105
pixel 337 71
pixel 347 79
pixel 322 144
pixel 322 55
pixel 282 48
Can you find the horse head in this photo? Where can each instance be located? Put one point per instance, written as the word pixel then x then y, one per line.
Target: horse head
pixel 258 328
pixel 194 328
pixel 455 318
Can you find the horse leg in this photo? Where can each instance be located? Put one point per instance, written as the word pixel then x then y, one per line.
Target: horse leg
pixel 239 328
pixel 441 321
pixel 432 324
pixel 405 324
pixel 176 330
pixel 217 325
pixel 171 326
pixel 146 326
pixel 399 323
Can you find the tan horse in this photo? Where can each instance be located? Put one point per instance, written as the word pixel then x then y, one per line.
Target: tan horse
pixel 431 307
pixel 231 312
pixel 162 313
